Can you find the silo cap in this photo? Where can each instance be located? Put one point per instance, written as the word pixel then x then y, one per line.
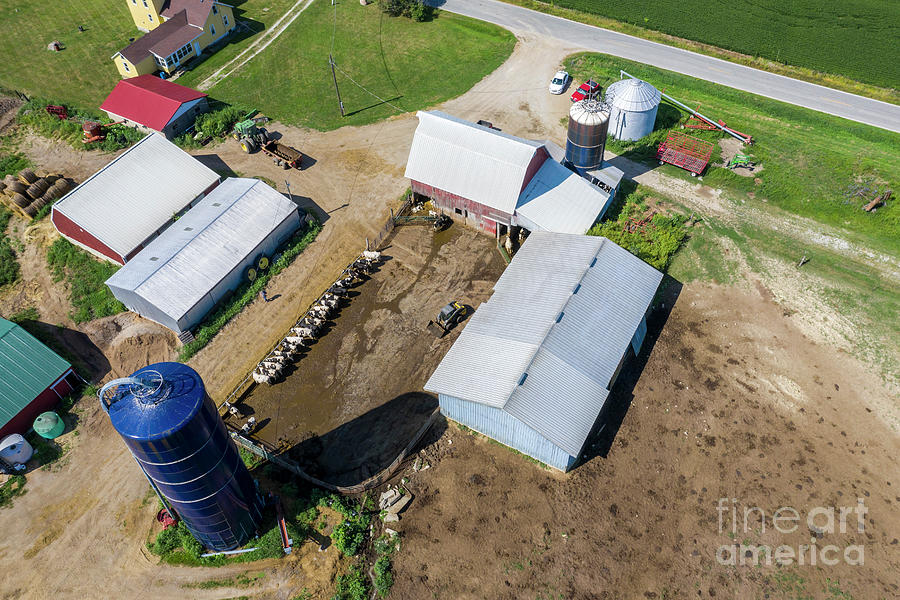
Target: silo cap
pixel 633 95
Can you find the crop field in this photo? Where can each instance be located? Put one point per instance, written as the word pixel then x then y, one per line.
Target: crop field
pixel 810 161
pixel 404 65
pixel 853 38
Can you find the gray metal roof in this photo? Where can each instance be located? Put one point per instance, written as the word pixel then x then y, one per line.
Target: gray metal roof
pixel 177 269
pixel 128 200
pixel 469 160
pixel 546 345
pixel 557 199
pixel 633 95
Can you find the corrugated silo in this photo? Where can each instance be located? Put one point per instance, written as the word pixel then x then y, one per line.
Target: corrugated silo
pixel 633 104
pixel 586 138
pixel 175 433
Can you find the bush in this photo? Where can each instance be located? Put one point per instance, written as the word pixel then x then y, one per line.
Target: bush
pixel 89 296
pixel 413 9
pixel 34 114
pixel 219 122
pixel 384 576
pixel 11 164
pixel 349 537
pixel 167 541
pixel 14 486
pixel 351 586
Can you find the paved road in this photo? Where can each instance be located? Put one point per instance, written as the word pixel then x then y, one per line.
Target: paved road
pixel 793 91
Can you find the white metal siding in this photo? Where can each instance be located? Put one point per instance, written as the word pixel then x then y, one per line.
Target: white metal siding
pixel 506 429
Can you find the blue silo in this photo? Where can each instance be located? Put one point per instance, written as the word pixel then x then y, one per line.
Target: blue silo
pixel 174 431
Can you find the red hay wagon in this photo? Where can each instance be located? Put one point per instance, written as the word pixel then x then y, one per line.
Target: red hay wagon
pixel 690 153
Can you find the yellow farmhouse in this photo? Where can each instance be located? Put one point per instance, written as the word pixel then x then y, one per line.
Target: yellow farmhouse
pixel 177 30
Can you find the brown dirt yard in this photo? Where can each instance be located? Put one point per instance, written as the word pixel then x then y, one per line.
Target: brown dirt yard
pixel 738 394
pixel 354 400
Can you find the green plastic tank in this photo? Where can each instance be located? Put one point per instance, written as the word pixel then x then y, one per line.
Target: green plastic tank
pixel 49 425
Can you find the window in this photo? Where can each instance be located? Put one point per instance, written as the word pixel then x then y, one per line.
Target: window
pixel 145 4
pixel 215 10
pixel 134 1
pixel 150 18
pixel 212 29
pixel 225 20
pixel 127 68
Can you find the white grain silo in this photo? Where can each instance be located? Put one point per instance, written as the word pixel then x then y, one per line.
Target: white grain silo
pixel 633 104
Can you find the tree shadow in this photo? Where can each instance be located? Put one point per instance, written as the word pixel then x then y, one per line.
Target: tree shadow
pixel 369 443
pixel 599 442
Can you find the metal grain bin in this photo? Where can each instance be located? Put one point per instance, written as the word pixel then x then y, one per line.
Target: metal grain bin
pixel 175 433
pixel 633 105
pixel 586 138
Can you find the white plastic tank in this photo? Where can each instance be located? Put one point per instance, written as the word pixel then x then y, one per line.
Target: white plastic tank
pixel 633 104
pixel 15 450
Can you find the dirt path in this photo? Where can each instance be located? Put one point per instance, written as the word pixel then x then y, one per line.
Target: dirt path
pixel 262 42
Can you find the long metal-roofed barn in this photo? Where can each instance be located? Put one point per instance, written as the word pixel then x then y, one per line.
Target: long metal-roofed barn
pixel 496 181
pixel 181 275
pixel 535 364
pixel 33 378
pixel 633 105
pixel 127 203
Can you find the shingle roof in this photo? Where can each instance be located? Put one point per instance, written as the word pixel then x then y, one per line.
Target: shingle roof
pixel 27 368
pixel 469 160
pixel 168 37
pixel 128 200
pixel 148 100
pixel 197 10
pixel 546 345
pixel 177 269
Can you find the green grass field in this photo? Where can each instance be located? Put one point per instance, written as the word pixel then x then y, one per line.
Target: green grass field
pixel 854 38
pixel 808 159
pixel 411 65
pixel 83 73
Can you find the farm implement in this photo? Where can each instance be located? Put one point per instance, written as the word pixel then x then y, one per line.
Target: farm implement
pixel 253 138
pixel 690 153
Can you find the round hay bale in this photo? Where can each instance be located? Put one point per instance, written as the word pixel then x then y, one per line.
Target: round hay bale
pixel 16 187
pixel 53 194
pixel 20 200
pixel 30 210
pixel 40 203
pixel 2 186
pixel 51 179
pixel 62 185
pixel 37 189
pixel 27 176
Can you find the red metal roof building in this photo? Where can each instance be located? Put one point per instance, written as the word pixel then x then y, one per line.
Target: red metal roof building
pixel 151 103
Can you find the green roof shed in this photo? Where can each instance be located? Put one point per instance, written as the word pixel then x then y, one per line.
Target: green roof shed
pixel 33 378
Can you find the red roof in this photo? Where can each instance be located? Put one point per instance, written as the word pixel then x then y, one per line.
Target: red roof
pixel 148 100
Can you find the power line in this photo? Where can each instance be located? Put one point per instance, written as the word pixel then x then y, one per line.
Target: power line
pixel 365 89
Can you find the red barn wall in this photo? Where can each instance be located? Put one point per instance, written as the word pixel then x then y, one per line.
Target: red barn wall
pixel 474 213
pixel 73 231
pixel 45 401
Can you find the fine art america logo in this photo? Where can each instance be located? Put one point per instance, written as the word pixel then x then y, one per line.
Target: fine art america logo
pixel 786 520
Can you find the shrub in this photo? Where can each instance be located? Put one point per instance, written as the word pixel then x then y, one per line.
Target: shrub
pixel 351 586
pixel 413 9
pixel 384 575
pixel 219 122
pixel 167 541
pixel 33 114
pixel 349 537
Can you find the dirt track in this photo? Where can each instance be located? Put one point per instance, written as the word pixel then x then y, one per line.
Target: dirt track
pixel 728 405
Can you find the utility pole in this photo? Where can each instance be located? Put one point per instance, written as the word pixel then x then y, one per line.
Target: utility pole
pixel 336 90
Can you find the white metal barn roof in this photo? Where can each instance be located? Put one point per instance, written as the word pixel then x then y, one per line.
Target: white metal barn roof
pixel 633 95
pixel 469 160
pixel 546 345
pixel 557 199
pixel 128 200
pixel 177 269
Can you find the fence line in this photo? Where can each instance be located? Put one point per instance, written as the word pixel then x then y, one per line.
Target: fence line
pixel 372 482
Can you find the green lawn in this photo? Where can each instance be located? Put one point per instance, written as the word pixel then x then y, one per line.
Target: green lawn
pixel 83 73
pixel 809 159
pixel 854 38
pixel 411 65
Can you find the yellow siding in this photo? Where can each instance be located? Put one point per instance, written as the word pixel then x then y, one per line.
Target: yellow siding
pixel 145 17
pixel 217 21
pixel 142 68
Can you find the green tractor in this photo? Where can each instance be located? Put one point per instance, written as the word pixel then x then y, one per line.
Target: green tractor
pixel 251 137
